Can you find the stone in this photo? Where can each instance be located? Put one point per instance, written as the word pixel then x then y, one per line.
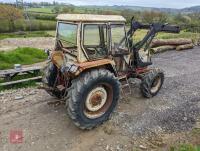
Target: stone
pixel 18 97
pixel 185 118
pixel 107 147
pixel 142 147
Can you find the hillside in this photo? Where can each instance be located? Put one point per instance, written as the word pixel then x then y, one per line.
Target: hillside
pixel 194 9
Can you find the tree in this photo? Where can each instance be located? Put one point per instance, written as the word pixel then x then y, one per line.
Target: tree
pixel 56 9
pixel 65 10
pixel 68 9
pixel 154 16
pixel 182 19
pixel 128 14
pixel 11 14
pixel 86 11
pixel 72 9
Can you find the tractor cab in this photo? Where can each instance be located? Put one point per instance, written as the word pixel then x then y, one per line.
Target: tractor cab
pixel 86 38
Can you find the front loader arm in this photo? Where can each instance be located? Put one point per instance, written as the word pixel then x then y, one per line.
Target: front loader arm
pixel 146 41
pixel 153 30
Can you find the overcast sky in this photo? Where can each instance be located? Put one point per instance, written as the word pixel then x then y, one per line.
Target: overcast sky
pixel 146 3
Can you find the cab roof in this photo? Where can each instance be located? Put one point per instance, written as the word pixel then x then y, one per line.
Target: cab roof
pixel 90 18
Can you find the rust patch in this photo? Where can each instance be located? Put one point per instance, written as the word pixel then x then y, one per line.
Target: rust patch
pixel 57 58
pixel 142 70
pixel 96 99
pixel 96 63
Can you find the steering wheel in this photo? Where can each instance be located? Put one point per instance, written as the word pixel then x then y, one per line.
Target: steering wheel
pixel 95 51
pixel 100 52
pixel 91 51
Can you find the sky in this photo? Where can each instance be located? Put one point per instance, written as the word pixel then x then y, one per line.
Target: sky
pixel 145 3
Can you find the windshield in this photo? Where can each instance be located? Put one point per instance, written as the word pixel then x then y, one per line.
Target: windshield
pixel 66 33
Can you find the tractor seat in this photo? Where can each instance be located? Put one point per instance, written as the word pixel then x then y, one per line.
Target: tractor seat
pixel 120 52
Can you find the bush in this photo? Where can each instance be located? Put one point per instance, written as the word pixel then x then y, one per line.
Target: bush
pixel 10 14
pixel 32 25
pixel 4 26
pixel 42 16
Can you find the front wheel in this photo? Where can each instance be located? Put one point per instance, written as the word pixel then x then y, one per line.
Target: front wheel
pixel 152 83
pixel 92 98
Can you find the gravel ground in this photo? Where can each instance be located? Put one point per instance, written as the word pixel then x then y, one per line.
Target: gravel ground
pixel 178 103
pixel 46 126
pixel 36 42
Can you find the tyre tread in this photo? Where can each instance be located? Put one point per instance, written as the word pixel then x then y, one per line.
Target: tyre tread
pixel 76 88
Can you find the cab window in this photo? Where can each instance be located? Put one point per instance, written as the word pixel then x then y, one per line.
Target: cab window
pixel 95 40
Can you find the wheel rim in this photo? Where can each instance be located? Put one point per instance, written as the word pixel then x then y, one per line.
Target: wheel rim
pixel 98 101
pixel 156 84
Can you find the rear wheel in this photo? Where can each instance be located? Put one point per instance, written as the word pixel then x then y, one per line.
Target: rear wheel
pixel 92 98
pixel 152 83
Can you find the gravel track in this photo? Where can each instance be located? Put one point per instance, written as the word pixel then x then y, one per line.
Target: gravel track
pixel 36 42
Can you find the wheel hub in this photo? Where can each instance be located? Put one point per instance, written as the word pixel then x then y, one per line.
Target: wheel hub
pixel 96 99
pixel 156 84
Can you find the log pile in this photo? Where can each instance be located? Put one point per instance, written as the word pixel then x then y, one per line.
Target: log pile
pixel 162 45
pixel 183 47
pixel 162 48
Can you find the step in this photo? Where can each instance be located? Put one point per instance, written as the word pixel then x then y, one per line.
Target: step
pixel 122 77
pixel 125 85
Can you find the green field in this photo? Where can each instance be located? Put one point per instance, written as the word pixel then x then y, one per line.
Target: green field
pixel 141 33
pixel 24 56
pixel 42 10
pixel 77 9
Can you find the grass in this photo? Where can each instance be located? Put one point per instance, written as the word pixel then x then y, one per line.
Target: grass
pixel 51 32
pixel 185 147
pixel 196 131
pixel 24 56
pixel 190 142
pixel 141 33
pixel 78 9
pixel 43 10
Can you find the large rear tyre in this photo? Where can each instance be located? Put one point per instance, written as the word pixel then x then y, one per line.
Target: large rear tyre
pixel 152 83
pixel 92 98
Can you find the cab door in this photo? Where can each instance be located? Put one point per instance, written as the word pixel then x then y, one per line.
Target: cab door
pixel 94 40
pixel 119 46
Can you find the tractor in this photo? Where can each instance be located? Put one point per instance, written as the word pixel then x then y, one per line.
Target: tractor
pixel 93 59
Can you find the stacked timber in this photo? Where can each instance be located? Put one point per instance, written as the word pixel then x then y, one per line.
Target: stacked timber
pixel 162 48
pixel 162 45
pixel 183 47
